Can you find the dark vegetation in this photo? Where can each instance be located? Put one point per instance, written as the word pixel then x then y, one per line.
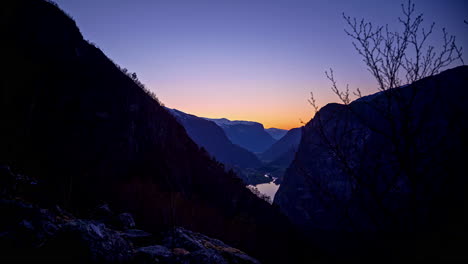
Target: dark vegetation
pixel 88 132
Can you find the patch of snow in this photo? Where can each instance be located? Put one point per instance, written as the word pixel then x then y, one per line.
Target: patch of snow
pixel 227 122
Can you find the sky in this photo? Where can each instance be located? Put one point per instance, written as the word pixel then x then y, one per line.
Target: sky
pixel 255 60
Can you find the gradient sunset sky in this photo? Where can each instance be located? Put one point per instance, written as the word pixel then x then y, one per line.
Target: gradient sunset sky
pixel 246 59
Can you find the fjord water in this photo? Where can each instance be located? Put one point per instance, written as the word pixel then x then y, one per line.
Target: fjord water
pixel 269 189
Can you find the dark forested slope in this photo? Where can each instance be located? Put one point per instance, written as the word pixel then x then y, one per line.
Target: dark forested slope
pixel 73 120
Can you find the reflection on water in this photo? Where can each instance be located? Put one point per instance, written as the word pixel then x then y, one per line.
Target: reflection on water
pixel 269 189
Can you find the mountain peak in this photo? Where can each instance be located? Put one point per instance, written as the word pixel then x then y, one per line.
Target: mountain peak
pixel 227 122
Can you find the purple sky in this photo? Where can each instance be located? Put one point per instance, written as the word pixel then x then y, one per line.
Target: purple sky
pixel 245 59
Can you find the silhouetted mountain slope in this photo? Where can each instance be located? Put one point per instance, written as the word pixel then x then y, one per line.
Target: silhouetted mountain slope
pixel 276 133
pixel 284 145
pixel 249 135
pixel 74 121
pixel 280 155
pixel 389 166
pixel 210 136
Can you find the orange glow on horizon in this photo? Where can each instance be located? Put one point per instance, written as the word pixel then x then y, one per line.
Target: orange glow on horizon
pixel 279 104
pixel 265 102
pixel 277 119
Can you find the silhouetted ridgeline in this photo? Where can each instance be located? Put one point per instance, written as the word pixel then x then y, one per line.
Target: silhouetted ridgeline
pixel 386 174
pixel 85 130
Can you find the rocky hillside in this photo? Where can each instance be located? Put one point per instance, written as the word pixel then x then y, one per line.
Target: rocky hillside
pixel 81 126
pixel 31 233
pixel 390 166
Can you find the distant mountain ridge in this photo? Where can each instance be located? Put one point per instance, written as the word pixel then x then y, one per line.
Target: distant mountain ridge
pixel 247 134
pixel 279 156
pixel 276 133
pixel 227 122
pixel 285 144
pixel 209 135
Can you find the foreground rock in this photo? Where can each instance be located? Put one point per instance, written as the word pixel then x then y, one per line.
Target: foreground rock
pixel 31 233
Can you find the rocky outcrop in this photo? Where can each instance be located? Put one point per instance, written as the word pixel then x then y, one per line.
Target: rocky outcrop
pixel 387 163
pixel 29 233
pixel 43 234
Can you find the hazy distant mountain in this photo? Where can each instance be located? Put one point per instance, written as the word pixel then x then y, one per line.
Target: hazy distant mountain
pixel 209 135
pixel 289 142
pixel 249 135
pixel 280 155
pixel 276 133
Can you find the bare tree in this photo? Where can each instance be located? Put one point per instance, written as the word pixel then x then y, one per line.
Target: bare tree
pixel 401 57
pixel 394 58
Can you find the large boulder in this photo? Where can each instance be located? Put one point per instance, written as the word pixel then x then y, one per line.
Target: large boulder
pixel 92 241
pixel 199 248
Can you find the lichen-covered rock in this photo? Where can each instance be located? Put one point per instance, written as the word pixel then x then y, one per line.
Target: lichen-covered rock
pixel 153 254
pixel 138 237
pixel 203 249
pixel 125 221
pixel 102 211
pixel 95 241
pixel 25 225
pixel 30 233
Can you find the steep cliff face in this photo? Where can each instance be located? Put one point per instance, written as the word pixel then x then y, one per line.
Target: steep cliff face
pixel 73 120
pixel 391 162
